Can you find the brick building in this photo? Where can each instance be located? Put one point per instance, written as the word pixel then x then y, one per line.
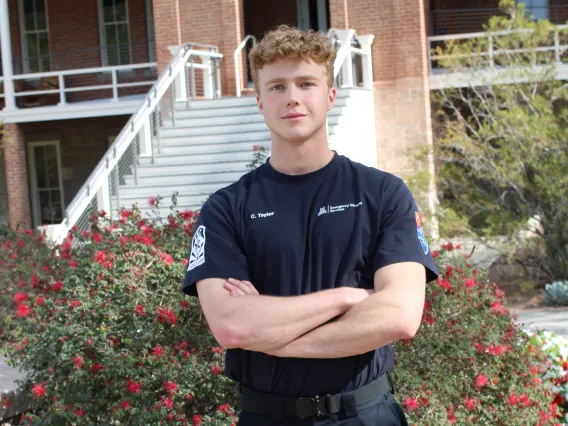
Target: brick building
pixel 73 73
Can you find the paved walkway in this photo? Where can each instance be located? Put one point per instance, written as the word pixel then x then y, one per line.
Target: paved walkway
pixel 552 319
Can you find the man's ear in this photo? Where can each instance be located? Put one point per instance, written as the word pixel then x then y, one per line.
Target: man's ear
pixel 332 94
pixel 259 103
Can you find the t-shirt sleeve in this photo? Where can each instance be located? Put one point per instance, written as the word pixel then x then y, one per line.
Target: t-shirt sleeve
pixel 215 250
pixel 401 236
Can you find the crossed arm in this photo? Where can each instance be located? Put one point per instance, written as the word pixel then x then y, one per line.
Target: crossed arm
pixel 300 326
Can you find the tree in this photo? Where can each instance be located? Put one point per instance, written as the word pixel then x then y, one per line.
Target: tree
pixel 502 141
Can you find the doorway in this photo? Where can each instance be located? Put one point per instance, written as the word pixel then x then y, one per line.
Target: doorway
pixel 261 16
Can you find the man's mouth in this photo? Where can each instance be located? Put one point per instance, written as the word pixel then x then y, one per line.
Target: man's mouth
pixel 293 115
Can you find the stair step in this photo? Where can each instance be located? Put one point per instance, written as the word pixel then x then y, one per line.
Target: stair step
pixel 224 102
pixel 185 202
pixel 157 171
pixel 214 148
pixel 187 178
pixel 174 141
pixel 240 154
pixel 178 130
pixel 204 184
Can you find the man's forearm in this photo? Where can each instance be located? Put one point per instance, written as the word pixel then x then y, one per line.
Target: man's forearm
pixel 263 323
pixel 368 325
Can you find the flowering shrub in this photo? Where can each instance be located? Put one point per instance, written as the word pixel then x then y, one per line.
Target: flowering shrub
pixel 470 363
pixel 107 337
pixel 107 334
pixel 556 349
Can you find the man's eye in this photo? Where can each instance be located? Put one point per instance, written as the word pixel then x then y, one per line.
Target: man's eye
pixel 277 87
pixel 308 83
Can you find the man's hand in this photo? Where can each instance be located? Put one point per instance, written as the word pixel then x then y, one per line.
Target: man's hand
pixel 240 288
pixel 245 288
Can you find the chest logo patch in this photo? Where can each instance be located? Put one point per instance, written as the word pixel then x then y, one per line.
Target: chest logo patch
pixel 421 235
pixel 197 256
pixel 339 208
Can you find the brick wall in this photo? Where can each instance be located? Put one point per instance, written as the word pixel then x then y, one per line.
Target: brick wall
pixel 82 144
pixel 402 97
pixel 16 175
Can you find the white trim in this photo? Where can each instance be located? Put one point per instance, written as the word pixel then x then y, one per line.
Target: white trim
pixel 150 34
pixel 36 214
pixel 24 32
pixel 102 38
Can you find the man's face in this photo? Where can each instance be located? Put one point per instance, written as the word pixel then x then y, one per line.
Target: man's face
pixel 294 98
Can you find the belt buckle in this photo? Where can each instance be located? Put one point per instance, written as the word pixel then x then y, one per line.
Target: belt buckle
pixel 316 407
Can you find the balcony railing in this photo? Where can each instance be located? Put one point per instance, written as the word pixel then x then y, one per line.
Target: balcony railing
pixel 458 21
pixel 79 75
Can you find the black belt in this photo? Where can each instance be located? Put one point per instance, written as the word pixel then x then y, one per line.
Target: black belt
pixel 266 404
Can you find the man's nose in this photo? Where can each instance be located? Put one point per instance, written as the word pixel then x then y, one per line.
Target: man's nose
pixel 292 98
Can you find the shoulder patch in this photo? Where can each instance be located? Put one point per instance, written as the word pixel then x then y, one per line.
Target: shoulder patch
pixel 421 235
pixel 197 256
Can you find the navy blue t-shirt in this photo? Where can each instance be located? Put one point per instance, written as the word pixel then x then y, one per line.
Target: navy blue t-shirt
pixel 295 235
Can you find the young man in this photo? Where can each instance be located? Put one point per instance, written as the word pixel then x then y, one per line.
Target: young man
pixel 309 267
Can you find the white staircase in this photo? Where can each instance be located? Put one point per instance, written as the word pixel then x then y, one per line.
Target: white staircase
pixel 209 147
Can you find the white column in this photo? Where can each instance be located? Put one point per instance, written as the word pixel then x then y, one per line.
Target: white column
pixel 208 84
pixel 6 47
pixel 367 60
pixel 146 138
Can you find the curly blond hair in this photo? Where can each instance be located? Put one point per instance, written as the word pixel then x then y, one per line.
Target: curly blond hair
pixel 289 42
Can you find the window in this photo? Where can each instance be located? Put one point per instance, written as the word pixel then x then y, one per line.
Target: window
pixel 46 182
pixel 35 35
pixel 538 9
pixel 114 32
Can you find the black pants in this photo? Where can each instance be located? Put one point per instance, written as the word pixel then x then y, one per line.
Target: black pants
pixel 385 411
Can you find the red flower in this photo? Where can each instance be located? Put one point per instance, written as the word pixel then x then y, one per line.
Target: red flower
pixel 216 369
pixel 152 201
pixel 39 391
pixel 97 238
pixel 96 368
pixel 451 415
pixel 469 404
pixel 498 308
pixel 481 380
pixel 448 246
pixel 39 300
pixel 20 297
pixel 23 310
pixel 196 420
pixel 166 315
pixel 184 304
pixel 147 241
pixel 73 263
pixel 469 283
pixel 445 284
pixel 125 404
pixel 168 402
pixel 74 304
pixel 133 387
pixel 56 286
pixel 410 403
pixel 170 387
pixel 140 309
pixel 158 351
pixel 513 400
pixel 449 271
pixel 79 412
pixel 435 254
pixel 78 361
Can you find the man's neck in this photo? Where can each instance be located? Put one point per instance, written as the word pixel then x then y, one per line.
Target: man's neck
pixel 298 158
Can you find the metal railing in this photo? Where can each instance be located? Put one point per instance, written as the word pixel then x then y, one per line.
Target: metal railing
pixel 140 135
pixel 468 20
pixel 491 49
pixel 236 59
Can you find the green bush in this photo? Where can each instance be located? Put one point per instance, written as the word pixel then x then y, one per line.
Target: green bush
pixel 106 335
pixel 111 337
pixel 470 363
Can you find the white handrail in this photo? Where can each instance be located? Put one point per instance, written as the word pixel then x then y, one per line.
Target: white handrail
pixel 98 179
pixel 236 58
pixel 491 52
